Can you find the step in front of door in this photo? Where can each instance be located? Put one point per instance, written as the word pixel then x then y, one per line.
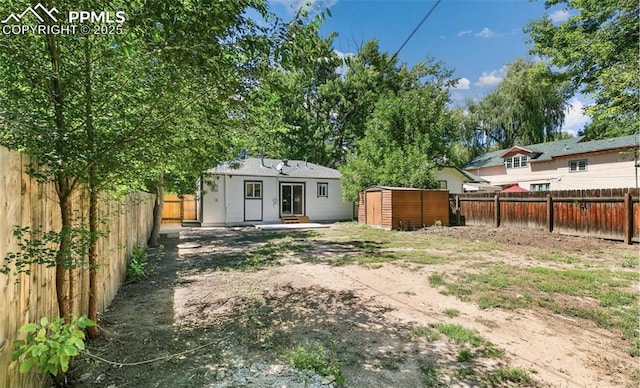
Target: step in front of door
pixel 295 219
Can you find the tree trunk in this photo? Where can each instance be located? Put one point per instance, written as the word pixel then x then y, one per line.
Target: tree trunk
pixel 63 186
pixel 157 212
pixel 92 314
pixel 63 257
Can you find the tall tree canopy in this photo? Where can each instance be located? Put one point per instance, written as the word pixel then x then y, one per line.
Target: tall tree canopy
pixel 408 135
pixel 527 107
pixel 597 49
pixel 319 104
pixel 104 110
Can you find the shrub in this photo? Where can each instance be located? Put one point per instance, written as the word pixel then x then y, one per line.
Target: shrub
pixel 50 344
pixel 312 356
pixel 138 268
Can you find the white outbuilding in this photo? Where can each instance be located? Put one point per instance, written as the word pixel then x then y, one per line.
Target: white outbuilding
pixel 256 191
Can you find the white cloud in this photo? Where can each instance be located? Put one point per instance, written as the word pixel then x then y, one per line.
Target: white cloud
pixel 491 78
pixel 560 16
pixel 462 84
pixel 575 119
pixel 485 33
pixel 464 32
pixel 342 69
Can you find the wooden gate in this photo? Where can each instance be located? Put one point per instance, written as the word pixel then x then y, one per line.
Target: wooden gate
pixel 189 208
pixel 374 207
pixel 172 209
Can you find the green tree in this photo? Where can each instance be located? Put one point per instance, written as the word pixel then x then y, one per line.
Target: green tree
pixel 106 111
pixel 527 107
pixel 318 114
pixel 292 115
pixel 597 50
pixel 408 136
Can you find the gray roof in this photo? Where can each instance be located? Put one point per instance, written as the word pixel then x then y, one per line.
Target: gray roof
pixel 555 149
pixel 275 168
pixel 471 177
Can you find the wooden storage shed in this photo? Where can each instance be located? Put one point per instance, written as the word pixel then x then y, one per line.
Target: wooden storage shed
pixel 402 207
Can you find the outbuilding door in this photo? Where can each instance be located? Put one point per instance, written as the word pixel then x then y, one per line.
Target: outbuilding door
pixel 291 199
pixel 374 207
pixel 253 200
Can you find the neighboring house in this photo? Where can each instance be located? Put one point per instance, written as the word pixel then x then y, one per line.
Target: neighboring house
pixel 458 181
pixel 576 163
pixel 257 191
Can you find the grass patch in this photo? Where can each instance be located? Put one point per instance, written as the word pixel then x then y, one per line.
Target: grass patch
pixel 464 355
pixel 419 257
pixel 451 313
pixel 430 375
pixel 460 335
pixel 429 333
pixel 375 258
pixel 510 287
pixel 463 336
pixel 436 280
pixel 630 261
pixel 509 375
pixel 494 300
pixel 313 356
pixel 558 257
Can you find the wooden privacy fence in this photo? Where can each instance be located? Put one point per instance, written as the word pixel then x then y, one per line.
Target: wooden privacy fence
pixel 27 298
pixel 603 213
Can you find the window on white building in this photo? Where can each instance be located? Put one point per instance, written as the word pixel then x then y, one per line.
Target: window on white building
pixel 252 189
pixel 442 184
pixel 323 189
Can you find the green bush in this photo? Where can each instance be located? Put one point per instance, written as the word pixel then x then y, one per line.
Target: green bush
pixel 50 345
pixel 138 268
pixel 312 356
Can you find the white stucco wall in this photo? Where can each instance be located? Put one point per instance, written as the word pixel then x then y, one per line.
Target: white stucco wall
pixel 227 206
pixel 213 201
pixel 604 170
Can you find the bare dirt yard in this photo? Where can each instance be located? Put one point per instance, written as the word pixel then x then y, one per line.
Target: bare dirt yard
pixel 355 306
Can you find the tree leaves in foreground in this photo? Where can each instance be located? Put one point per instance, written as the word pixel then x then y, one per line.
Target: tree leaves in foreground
pixel 109 111
pixel 597 48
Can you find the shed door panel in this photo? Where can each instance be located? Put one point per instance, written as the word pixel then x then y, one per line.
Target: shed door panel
pixel 374 207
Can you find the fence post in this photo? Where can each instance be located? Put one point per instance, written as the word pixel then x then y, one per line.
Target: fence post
pixel 549 213
pixel 496 211
pixel 628 219
pixel 457 210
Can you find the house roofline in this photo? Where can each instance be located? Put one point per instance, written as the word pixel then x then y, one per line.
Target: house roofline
pixel 590 152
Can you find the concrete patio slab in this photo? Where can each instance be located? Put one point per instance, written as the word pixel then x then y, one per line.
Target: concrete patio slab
pixel 307 225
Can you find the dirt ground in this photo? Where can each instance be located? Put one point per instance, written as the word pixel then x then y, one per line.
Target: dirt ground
pixel 227 313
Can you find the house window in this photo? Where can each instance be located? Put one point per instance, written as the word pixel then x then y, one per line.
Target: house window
pixel 540 186
pixel 578 165
pixel 442 184
pixel 253 190
pixel 323 189
pixel 516 161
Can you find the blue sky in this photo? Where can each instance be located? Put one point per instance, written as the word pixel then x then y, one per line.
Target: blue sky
pixel 476 38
